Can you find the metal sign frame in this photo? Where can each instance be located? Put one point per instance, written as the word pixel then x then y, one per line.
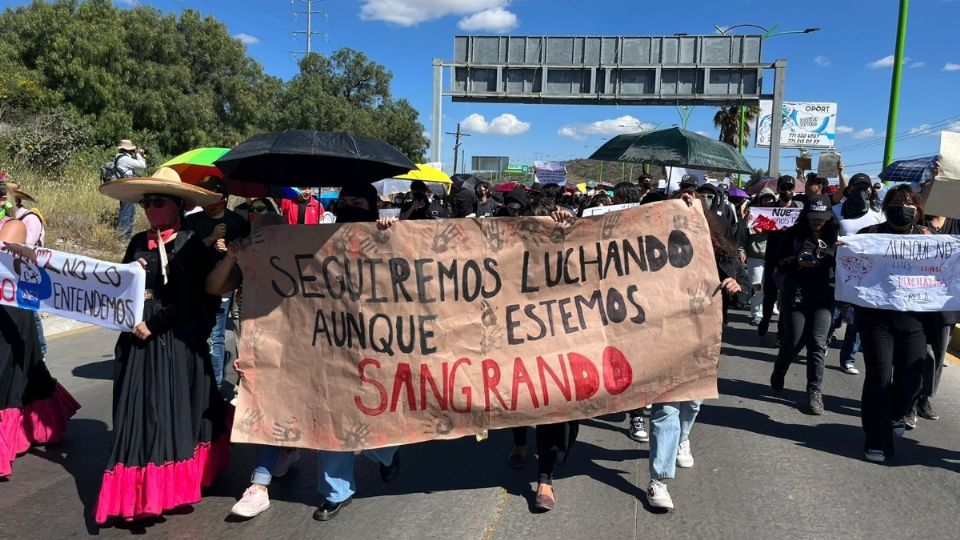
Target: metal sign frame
pixel 711 70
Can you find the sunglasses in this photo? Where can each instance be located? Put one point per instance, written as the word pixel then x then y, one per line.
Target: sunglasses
pixel 259 209
pixel 157 202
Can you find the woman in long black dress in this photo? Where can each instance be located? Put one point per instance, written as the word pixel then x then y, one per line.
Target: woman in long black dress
pixel 34 408
pixel 169 420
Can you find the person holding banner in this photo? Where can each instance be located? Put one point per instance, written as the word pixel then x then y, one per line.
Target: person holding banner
pixel 34 407
pixel 894 342
pixel 771 291
pixel 169 420
pixel 671 423
pixel 805 258
pixel 755 249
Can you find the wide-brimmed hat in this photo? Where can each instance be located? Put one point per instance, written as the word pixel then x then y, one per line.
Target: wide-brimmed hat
pixel 165 181
pixel 15 190
pixel 126 144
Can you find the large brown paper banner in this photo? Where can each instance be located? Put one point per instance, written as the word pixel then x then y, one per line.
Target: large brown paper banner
pixel 356 338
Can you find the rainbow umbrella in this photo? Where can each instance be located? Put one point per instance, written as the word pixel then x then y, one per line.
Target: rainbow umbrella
pixel 195 165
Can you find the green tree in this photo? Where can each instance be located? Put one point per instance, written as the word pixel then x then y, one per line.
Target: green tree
pixel 727 120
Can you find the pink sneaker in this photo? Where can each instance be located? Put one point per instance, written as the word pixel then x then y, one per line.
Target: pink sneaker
pixel 254 501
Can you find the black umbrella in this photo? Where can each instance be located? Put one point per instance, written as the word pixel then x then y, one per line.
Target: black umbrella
pixel 300 157
pixel 674 147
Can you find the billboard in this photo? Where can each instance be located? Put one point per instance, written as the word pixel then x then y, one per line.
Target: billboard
pixel 805 124
pixel 489 163
pixel 550 172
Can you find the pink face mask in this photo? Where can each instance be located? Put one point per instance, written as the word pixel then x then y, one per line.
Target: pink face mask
pixel 164 217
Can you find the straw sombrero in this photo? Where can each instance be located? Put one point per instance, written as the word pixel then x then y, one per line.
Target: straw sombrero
pixel 19 193
pixel 165 181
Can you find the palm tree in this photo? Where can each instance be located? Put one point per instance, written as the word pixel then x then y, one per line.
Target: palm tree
pixel 727 120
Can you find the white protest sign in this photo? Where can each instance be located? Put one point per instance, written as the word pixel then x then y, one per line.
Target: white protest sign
pixel 73 286
pixel 944 197
pixel 773 219
pixel 900 272
pixel 600 210
pixel 804 125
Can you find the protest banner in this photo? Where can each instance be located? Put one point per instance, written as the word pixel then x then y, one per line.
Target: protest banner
pixel 600 210
pixel 944 195
pixel 773 219
pixel 73 286
pixel 900 272
pixel 550 172
pixel 804 125
pixel 358 338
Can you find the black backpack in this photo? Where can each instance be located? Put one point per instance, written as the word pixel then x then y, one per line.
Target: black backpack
pixel 110 172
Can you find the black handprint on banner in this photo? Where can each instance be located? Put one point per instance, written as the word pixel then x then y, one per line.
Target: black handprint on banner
pixel 282 433
pixel 610 222
pixel 487 316
pixel 443 239
pixel 439 424
pixel 248 420
pixel 493 235
pixel 698 299
pixel 357 436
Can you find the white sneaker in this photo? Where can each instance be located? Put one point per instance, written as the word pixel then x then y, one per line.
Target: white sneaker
pixel 254 501
pixel 755 321
pixel 684 456
pixel 875 456
pixel 850 369
pixel 776 309
pixel 658 496
pixel 287 458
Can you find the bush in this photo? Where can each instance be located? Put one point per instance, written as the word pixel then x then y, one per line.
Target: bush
pixel 47 142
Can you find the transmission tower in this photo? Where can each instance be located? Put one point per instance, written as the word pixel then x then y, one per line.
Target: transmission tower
pixel 309 33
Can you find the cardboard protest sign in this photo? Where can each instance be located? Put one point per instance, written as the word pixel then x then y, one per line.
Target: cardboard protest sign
pixel 73 286
pixel 900 272
pixel 944 198
pixel 600 210
pixel 358 338
pixel 773 219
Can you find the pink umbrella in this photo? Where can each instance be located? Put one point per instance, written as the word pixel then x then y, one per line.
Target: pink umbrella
pixel 772 184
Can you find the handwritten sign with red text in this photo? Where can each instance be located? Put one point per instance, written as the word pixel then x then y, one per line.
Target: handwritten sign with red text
pixel 359 338
pixel 900 272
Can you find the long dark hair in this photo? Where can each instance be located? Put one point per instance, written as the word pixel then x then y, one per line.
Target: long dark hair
pixel 904 195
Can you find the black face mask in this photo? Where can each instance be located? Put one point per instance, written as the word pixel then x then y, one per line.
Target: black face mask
pixel 902 216
pixel 352 214
pixel 856 204
pixel 786 196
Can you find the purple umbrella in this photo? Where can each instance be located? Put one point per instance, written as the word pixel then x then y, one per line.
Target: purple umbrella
pixel 737 192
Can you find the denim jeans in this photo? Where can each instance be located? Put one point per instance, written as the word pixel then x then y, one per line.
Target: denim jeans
pixel 216 340
pixel 335 477
pixel 670 424
pixel 126 218
pixel 40 336
pixel 851 346
pixel 265 458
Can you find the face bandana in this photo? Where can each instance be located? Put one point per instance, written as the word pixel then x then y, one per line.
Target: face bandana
pixel 164 222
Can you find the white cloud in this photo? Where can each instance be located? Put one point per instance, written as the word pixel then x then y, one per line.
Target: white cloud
pixel 612 126
pixel 496 20
pixel 128 3
pixel 865 133
pixel 922 128
pixel 411 12
pixel 917 65
pixel 885 62
pixel 821 61
pixel 953 126
pixel 843 130
pixel 505 124
pixel 247 39
pixel 704 133
pixel 426 135
pixel 950 66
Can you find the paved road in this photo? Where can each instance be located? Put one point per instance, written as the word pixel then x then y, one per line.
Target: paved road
pixel 763 470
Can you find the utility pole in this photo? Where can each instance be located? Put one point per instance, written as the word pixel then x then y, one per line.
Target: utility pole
pixel 309 32
pixel 895 83
pixel 456 146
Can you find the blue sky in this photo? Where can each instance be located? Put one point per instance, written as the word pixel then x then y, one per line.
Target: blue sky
pixel 842 62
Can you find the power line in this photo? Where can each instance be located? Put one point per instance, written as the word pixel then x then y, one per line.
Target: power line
pixel 309 33
pixel 903 135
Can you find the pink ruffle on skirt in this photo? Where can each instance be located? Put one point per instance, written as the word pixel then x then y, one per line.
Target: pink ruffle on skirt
pixel 39 422
pixel 134 493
